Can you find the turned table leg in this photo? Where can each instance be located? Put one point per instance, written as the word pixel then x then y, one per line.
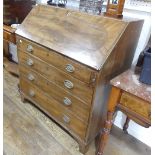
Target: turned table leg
pixel 105 133
pixel 126 125
pixel 112 103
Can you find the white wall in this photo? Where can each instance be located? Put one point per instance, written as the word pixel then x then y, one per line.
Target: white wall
pixel 141 133
pixel 146 30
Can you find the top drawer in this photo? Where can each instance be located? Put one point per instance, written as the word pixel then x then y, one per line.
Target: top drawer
pixel 69 66
pixel 9 36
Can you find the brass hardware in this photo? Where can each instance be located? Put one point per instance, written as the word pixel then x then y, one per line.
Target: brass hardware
pixel 30 77
pixel 29 48
pixel 70 68
pixel 66 119
pixel 68 84
pixel 31 93
pixel 67 101
pixel 29 62
pixel 107 131
pixel 93 79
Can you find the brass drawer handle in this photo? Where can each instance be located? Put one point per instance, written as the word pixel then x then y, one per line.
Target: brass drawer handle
pixel 29 48
pixel 68 84
pixel 31 93
pixel 30 77
pixel 30 62
pixel 67 101
pixel 66 119
pixel 70 68
pixel 19 42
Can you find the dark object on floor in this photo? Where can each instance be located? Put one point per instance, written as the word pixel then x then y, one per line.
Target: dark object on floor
pixel 140 60
pixel 145 75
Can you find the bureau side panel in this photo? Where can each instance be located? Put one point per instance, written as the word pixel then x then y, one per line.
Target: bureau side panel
pixel 118 61
pixel 122 55
pixel 99 107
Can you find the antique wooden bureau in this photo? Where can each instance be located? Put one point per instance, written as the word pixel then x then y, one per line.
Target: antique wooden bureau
pixel 66 59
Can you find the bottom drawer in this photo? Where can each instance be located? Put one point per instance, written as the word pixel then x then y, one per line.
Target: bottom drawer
pixel 53 108
pixel 136 104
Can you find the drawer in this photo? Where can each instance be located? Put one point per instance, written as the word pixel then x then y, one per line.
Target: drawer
pixel 72 85
pixel 9 36
pixel 53 108
pixel 79 108
pixel 67 65
pixel 136 104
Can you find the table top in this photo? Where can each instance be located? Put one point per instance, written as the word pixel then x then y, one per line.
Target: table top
pixel 129 82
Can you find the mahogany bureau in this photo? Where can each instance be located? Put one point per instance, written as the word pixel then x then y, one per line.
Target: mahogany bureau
pixel 66 59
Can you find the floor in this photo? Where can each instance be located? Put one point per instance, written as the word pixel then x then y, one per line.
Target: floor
pixel 27 131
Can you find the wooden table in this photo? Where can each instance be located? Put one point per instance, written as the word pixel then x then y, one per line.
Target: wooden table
pixel 132 98
pixel 9 36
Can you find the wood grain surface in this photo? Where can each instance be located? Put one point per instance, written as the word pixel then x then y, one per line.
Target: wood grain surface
pixel 21 132
pixel 85 38
pixel 80 108
pixel 9 34
pixel 81 72
pixel 136 104
pixel 98 47
pixel 53 108
pixel 80 89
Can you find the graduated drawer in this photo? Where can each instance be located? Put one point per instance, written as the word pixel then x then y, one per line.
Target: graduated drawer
pixel 69 66
pixel 53 108
pixel 79 108
pixel 136 104
pixel 69 83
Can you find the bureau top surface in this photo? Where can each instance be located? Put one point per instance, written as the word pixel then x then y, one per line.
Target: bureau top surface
pixel 85 38
pixel 129 82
